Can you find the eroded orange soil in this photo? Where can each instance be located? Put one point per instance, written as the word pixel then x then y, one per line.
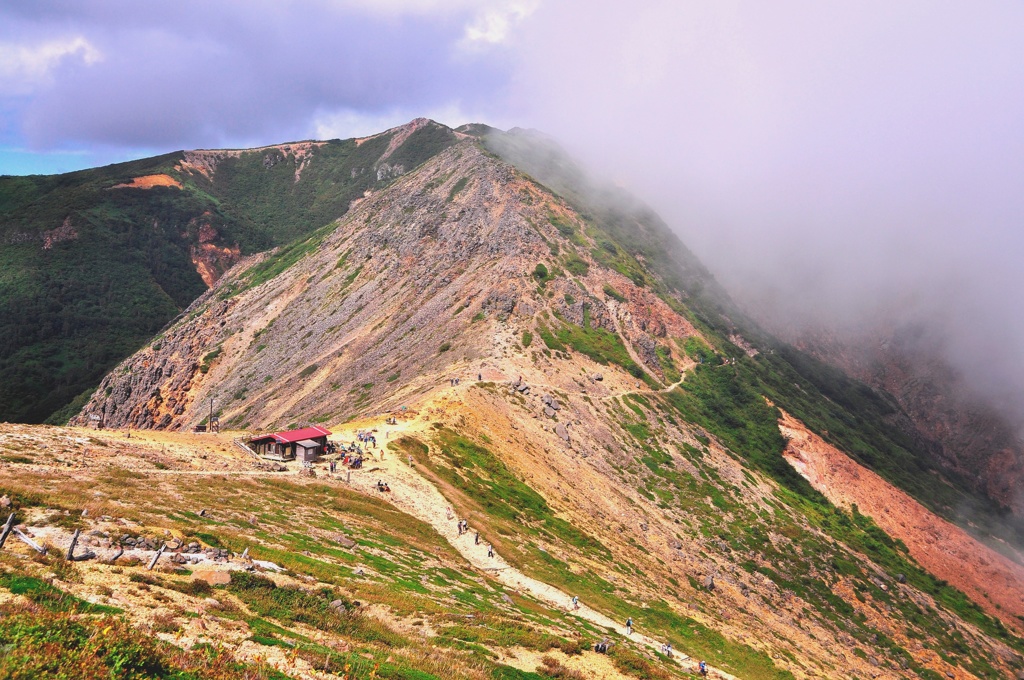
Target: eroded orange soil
pixel 150 181
pixel 993 581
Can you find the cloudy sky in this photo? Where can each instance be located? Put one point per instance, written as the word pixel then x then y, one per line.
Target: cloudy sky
pixel 824 158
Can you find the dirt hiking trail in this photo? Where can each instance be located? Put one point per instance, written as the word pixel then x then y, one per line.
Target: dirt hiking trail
pixel 416 496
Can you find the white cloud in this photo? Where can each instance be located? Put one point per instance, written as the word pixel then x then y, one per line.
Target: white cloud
pixel 490 21
pixel 396 7
pixel 25 67
pixel 493 24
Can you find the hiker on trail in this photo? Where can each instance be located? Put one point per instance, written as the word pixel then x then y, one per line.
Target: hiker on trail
pixel 702 668
pixel 575 602
pixel 448 512
pixel 479 377
pixel 476 539
pixel 629 626
pixel 490 550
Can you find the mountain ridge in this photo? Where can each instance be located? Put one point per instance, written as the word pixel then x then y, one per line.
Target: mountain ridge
pixel 560 369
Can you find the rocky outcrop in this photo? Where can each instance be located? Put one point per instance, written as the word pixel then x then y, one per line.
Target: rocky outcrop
pixel 209 255
pixel 205 161
pixel 65 232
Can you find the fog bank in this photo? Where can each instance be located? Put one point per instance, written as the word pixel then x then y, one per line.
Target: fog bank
pixel 828 162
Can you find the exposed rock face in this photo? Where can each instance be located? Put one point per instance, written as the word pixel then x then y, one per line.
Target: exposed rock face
pixel 210 257
pixel 947 551
pixel 421 275
pixel 205 161
pixel 65 232
pixel 150 181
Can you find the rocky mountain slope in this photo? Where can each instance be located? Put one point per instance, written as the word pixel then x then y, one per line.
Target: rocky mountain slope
pixel 614 432
pixel 968 436
pixel 95 262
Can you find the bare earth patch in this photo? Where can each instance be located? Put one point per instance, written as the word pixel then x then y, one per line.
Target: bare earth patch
pixel 990 579
pixel 150 181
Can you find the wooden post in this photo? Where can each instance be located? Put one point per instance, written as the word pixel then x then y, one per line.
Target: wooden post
pixel 32 544
pixel 71 548
pixel 156 557
pixel 7 530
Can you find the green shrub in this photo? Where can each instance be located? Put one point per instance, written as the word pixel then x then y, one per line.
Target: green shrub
pixel 51 597
pixel 577 266
pixel 459 186
pixel 613 294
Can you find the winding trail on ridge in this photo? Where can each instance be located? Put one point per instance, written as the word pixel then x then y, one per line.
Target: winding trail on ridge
pixel 416 496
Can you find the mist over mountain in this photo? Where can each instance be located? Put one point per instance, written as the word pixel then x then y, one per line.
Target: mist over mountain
pixel 841 167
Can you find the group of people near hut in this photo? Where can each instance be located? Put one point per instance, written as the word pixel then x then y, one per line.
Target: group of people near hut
pixel 349 460
pixel 351 454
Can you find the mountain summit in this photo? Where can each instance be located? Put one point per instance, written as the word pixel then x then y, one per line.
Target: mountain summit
pixel 444 270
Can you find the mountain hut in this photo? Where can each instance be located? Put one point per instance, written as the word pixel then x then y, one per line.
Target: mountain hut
pixel 306 444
